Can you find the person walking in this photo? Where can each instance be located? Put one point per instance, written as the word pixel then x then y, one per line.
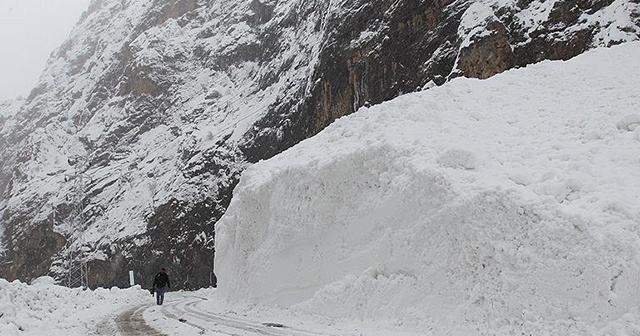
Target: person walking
pixel 160 283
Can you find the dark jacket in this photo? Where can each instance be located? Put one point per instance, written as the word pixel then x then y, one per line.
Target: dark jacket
pixel 161 280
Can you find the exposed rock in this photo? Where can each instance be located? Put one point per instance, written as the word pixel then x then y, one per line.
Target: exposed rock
pixel 30 253
pixel 487 55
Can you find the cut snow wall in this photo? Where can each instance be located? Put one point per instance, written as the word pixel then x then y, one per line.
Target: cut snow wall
pixel 369 237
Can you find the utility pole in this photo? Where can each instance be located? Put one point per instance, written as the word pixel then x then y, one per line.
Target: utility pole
pixel 77 272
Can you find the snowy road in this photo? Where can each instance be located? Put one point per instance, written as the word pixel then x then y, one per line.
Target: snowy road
pixel 209 323
pixel 128 323
pixel 132 323
pixel 183 316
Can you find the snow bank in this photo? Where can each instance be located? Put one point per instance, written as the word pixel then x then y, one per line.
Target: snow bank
pixel 505 205
pixel 44 308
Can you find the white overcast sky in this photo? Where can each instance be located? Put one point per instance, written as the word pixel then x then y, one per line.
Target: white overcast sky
pixel 29 31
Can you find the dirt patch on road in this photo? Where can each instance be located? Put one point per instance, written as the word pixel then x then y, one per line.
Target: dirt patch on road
pixel 128 323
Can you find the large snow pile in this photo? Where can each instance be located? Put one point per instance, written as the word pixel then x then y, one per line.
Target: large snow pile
pixel 499 206
pixel 44 308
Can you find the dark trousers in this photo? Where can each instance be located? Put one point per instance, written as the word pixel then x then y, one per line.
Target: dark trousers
pixel 160 295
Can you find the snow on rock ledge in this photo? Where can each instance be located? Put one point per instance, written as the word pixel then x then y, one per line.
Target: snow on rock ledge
pixel 540 234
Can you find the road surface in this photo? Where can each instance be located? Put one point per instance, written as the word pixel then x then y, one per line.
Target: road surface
pixel 183 317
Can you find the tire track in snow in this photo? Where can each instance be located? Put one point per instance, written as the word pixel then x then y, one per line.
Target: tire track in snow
pixel 186 311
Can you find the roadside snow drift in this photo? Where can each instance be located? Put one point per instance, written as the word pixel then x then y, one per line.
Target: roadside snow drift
pixel 44 308
pixel 505 205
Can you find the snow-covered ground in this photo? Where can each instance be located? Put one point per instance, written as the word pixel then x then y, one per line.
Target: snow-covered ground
pixel 506 206
pixel 44 308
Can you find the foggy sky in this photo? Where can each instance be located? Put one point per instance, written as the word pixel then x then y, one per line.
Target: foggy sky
pixel 29 31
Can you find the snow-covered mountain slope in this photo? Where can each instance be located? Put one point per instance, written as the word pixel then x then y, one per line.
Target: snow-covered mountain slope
pixel 497 207
pixel 126 153
pixel 9 108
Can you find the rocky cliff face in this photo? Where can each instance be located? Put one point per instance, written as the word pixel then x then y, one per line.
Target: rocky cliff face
pixel 126 153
